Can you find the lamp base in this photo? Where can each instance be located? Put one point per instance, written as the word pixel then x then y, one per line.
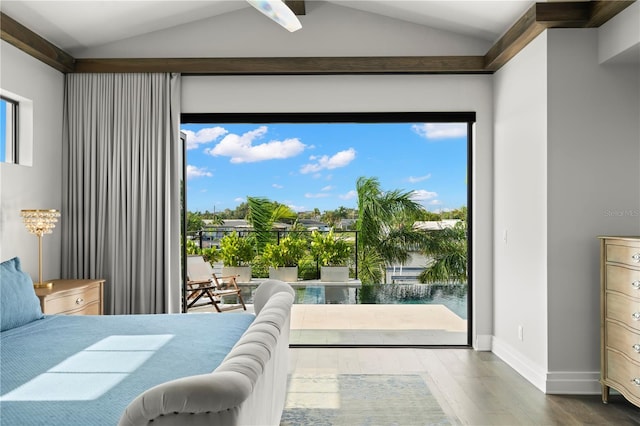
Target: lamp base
pixel 42 285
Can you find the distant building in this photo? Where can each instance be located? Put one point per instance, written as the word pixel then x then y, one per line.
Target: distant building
pixel 435 225
pixel 408 272
pixel 346 223
pixel 314 225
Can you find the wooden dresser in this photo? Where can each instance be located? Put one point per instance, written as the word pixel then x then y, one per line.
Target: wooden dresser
pixel 620 317
pixel 72 297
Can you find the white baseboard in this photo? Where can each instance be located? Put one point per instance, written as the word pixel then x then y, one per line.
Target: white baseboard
pixel 573 383
pixel 523 365
pixel 483 343
pixel 553 382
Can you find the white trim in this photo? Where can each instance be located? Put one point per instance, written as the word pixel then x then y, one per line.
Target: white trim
pixel 524 366
pixel 574 383
pixel 552 383
pixel 483 343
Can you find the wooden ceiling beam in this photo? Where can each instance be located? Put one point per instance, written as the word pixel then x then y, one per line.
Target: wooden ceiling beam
pixel 24 39
pixel 602 11
pixel 519 35
pixel 542 16
pixel 296 6
pixel 564 14
pixel 291 65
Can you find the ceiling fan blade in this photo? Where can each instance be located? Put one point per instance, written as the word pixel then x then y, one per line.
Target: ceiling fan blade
pixel 278 12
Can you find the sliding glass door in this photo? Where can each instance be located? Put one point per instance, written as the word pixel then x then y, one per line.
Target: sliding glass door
pixel 383 196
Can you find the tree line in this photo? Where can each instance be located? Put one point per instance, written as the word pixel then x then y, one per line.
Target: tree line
pixel 384 220
pixel 196 220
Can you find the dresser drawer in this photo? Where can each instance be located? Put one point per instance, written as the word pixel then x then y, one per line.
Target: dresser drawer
pixel 92 308
pixel 624 309
pixel 624 373
pixel 623 340
pixel 623 279
pixel 625 254
pixel 73 300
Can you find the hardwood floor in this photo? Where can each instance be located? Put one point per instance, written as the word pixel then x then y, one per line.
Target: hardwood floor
pixel 473 388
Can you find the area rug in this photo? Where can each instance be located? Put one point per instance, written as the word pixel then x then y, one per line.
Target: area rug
pixel 362 399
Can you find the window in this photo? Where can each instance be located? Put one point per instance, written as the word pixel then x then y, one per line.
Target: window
pixel 312 163
pixel 16 129
pixel 8 135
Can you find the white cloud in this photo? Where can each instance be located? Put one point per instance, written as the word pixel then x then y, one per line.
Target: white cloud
pixel 277 186
pixel 203 136
pixel 416 179
pixel 196 172
pixel 339 159
pixel 327 188
pixel 440 130
pixel 318 195
pixel 297 208
pixel 349 195
pixel 239 199
pixel 423 195
pixel 241 148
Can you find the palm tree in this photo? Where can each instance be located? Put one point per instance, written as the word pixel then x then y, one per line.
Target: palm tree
pixel 263 213
pixel 385 225
pixel 447 251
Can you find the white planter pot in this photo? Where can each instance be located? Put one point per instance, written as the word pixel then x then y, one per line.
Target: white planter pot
pixel 243 273
pixel 284 273
pixel 334 273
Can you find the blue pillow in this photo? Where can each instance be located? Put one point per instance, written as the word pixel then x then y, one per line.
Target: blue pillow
pixel 19 304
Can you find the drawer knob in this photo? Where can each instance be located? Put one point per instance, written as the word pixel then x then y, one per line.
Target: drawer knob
pixel 79 300
pixel 636 316
pixel 636 284
pixel 636 381
pixel 636 257
pixel 636 347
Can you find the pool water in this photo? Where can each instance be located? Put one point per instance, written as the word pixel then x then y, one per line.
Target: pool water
pixel 453 296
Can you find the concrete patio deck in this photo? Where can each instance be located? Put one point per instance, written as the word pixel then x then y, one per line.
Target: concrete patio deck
pixel 371 324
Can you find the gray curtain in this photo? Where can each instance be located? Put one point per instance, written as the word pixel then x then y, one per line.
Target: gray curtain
pixel 121 186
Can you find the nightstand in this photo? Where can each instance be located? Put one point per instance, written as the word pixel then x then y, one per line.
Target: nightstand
pixel 72 297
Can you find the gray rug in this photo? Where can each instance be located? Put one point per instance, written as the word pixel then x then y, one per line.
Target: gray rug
pixel 362 399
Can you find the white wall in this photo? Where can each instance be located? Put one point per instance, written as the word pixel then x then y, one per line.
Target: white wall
pixel 378 94
pixel 38 186
pixel 520 205
pixel 567 145
pixel 619 38
pixel 594 189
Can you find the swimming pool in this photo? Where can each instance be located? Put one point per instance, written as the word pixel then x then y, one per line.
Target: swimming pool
pixel 453 296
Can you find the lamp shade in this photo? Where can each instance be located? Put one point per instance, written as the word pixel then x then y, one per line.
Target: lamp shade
pixel 40 222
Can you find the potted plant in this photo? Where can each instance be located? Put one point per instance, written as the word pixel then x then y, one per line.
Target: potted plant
pixel 333 254
pixel 237 252
pixel 283 258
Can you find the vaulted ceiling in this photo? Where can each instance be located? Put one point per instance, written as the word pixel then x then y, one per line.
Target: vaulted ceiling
pixel 58 31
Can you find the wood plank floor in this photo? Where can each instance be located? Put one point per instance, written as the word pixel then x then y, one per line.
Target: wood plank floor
pixel 473 388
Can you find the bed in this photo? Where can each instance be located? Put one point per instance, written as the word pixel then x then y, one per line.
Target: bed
pixel 214 369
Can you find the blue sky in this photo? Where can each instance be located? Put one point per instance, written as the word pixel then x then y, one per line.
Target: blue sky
pixel 316 165
pixel 3 127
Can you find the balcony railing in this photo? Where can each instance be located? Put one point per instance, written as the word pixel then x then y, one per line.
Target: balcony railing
pixel 209 237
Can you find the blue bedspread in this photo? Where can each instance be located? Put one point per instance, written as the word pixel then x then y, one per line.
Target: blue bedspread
pixel 84 370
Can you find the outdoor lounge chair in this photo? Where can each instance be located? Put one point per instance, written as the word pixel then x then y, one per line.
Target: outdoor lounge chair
pixel 203 284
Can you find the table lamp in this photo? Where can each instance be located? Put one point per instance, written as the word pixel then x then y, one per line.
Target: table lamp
pixel 40 222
